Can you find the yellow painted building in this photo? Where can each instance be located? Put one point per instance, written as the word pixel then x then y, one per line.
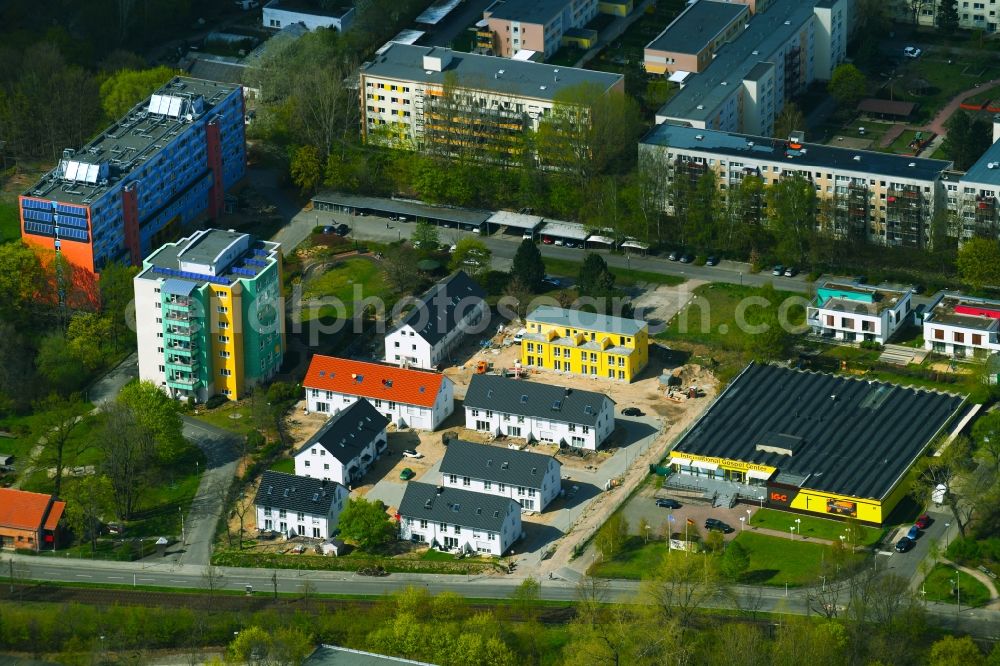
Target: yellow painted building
pixel 583 343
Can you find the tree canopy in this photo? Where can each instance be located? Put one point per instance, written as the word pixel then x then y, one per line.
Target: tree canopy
pixel 126 88
pixel 366 524
pixel 847 85
pixel 979 262
pixel 528 266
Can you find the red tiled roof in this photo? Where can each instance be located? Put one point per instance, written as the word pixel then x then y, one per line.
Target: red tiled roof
pixel 373 380
pixel 54 515
pixel 23 510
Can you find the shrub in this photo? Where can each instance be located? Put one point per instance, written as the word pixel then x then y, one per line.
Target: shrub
pixel 280 392
pixel 963 549
pixel 216 401
pixel 700 260
pixel 870 344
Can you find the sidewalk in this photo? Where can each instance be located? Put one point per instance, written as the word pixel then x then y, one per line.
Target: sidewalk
pixel 994 602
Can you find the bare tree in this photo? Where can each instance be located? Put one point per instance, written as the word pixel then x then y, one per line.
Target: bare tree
pixel 129 452
pixel 212 578
pixel 241 507
pixel 58 420
pixel 682 584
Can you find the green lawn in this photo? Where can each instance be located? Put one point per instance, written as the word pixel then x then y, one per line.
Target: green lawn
pixel 987 95
pixel 161 507
pixel 345 282
pixel 222 417
pixel 711 317
pixel 10 225
pixel 819 528
pixel 286 465
pixel 777 561
pixel 944 82
pixel 624 277
pixel 636 560
pixel 938 587
pixel 901 145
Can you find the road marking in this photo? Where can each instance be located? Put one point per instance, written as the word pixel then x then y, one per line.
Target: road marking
pixel 83 576
pixel 115 577
pixel 175 580
pixel 145 579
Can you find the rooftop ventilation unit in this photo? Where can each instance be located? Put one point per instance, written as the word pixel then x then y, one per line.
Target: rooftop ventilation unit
pixel 857 158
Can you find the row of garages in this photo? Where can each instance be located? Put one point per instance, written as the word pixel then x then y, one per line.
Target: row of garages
pixel 485 222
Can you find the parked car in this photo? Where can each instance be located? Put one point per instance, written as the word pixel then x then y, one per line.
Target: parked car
pixel 717 525
pixel 554 281
pixel 668 503
pixel 410 453
pixel 328 230
pixel 674 256
pixel 560 241
pixel 570 243
pixel 778 270
pixel 791 271
pixel 923 522
pixel 632 411
pixel 912 52
pixel 904 544
pixel 407 474
pixel 687 258
pixel 913 533
pixel 341 229
pixel 547 240
pixel 712 260
pixel 528 235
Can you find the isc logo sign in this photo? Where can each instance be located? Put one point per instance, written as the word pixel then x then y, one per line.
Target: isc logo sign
pixel 778 497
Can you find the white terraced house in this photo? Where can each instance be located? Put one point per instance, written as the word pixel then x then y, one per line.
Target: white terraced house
pixel 346 446
pixel 530 479
pixel 299 506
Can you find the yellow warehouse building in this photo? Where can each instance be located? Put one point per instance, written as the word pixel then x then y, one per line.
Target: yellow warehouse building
pixel 583 343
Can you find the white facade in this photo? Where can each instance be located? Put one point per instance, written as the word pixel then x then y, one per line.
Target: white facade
pixel 317 526
pixel 318 463
pixel 849 320
pixel 981 15
pixel 530 498
pixel 456 537
pixel 149 331
pixel 533 428
pixel 402 414
pixel 277 17
pixel 962 327
pixel 406 347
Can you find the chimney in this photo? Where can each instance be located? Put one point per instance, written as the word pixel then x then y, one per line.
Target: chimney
pixel 440 489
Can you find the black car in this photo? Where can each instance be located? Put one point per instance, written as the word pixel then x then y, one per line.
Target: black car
pixel 718 526
pixel 328 230
pixel 632 411
pixel 904 544
pixel 668 503
pixel 674 256
pixel 687 259
pixel 341 229
pixel 712 261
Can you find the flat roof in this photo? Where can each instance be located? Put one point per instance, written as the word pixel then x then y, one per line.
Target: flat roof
pixel 217 68
pixel 856 437
pixel 975 313
pixel 573 230
pixel 528 11
pixel 404 207
pixel 697 25
pixel 405 36
pixel 132 140
pixel 705 91
pixel 810 156
pixel 437 11
pixel 308 7
pixel 203 247
pixel 981 171
pixel 520 220
pixel 526 79
pixel 585 320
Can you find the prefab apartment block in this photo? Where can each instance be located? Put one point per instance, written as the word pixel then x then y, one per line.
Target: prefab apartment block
pixel 141 181
pixel 209 314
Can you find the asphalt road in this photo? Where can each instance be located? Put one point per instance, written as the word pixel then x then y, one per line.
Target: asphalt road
pixel 980 623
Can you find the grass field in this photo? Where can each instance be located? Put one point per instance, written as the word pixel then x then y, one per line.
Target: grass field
pixel 987 95
pixel 345 282
pixel 222 417
pixel 636 560
pixel 286 465
pixel 10 226
pixel 938 587
pixel 624 277
pixel 817 528
pixel 901 146
pixel 944 81
pixel 776 561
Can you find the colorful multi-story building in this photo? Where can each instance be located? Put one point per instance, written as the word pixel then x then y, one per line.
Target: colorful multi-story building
pixel 690 42
pixel 209 315
pixel 141 181
pixel 583 343
pixel 539 26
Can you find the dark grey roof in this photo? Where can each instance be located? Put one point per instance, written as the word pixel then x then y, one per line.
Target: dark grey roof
pixel 516 396
pixel 522 78
pixel 296 493
pixel 443 306
pixel 986 170
pixel 349 431
pixel 812 155
pixel 441 504
pixel 222 71
pixel 415 209
pixel 529 11
pixel 852 437
pixel 697 25
pixel 495 463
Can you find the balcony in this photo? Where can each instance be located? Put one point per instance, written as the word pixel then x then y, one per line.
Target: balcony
pixel 184 380
pixel 181 348
pixel 177 302
pixel 184 362
pixel 177 315
pixel 182 331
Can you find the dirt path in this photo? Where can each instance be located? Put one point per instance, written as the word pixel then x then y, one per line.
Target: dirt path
pixel 994 602
pixel 937 125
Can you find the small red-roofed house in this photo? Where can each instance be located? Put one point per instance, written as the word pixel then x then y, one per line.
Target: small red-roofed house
pixel 29 520
pixel 410 398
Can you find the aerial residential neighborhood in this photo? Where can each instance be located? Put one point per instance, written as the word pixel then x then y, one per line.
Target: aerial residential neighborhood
pixel 500 332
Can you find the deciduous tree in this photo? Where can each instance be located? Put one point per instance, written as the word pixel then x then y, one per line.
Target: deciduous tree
pixel 947 16
pixel 158 414
pixel 425 237
pixel 129 450
pixel 789 120
pixel 88 502
pixel 611 537
pixel 595 278
pixel 979 262
pixel 366 524
pixel 57 420
pixel 967 138
pixel 472 256
pixel 847 85
pixel 126 88
pixel 306 168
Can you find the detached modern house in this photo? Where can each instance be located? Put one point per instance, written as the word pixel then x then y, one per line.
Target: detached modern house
pixel 346 446
pixel 458 520
pixel 298 505
pixel 536 411
pixel 438 323
pixel 963 327
pixel 530 479
pixel 858 312
pixel 29 521
pixel 409 398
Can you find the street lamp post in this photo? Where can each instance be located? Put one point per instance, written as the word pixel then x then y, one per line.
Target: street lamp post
pixel 742 522
pixel 798 526
pixel 791 532
pixel 957 583
pixel 183 538
pixel 946 526
pixel 647 533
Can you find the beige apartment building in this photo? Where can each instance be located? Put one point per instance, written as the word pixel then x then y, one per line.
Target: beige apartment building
pixel 972 14
pixel 692 39
pixel 535 25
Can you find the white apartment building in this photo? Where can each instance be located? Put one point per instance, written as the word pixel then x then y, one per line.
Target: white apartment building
pixel 859 313
pixel 409 398
pixel 299 506
pixel 458 520
pixel 538 412
pixel 278 14
pixel 411 96
pixel 962 326
pixel 346 446
pixel 972 14
pixel 530 479
pixel 439 322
